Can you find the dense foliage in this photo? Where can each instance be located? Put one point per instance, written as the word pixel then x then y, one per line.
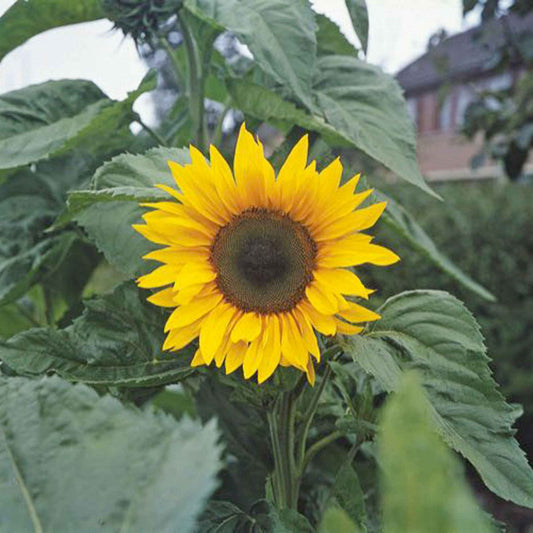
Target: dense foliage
pixel 102 429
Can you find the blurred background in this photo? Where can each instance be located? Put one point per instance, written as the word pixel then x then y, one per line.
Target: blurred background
pixel 466 69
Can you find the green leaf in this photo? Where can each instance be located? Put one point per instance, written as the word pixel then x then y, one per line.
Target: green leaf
pixel 55 117
pixel 401 222
pixel 223 517
pixel 330 39
pixel 348 495
pixel 359 15
pixel 35 122
pixel 367 107
pixel 280 35
pixel 116 341
pixel 29 201
pixel 14 318
pixel 73 461
pixel 422 483
pixel 289 521
pixel 264 104
pixel 336 520
pixel 26 18
pixel 111 206
pixel 433 332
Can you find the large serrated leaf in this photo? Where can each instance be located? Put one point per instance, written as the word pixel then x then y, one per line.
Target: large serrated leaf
pixel 73 461
pixel 422 483
pixel 366 106
pixel 330 39
pixel 36 122
pixel 56 117
pixel 108 210
pixel 26 18
pixel 432 332
pixel 280 35
pixel 116 341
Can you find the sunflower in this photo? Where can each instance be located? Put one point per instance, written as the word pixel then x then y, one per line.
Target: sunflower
pixel 253 264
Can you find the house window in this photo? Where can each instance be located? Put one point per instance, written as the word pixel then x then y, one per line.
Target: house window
pixel 445 114
pixel 412 109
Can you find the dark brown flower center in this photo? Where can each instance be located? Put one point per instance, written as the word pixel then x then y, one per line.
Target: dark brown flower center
pixel 264 261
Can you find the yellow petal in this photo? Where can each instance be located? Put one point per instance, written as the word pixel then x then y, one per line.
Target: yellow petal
pixel 358 313
pixel 185 295
pixel 308 334
pixel 187 314
pixel 213 330
pixel 292 344
pixel 294 166
pixel 151 234
pixel 193 274
pixel 323 323
pixel 310 371
pixel 341 281
pixel 224 182
pixel 248 166
pixel 247 328
pixel 321 299
pixel 197 360
pixel 177 256
pixel 271 349
pixel 164 298
pixel 163 275
pixel 235 356
pixel 179 338
pixel 252 358
pixel 347 329
pixel 357 221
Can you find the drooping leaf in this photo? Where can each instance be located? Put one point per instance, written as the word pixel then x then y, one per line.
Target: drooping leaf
pixel 35 122
pixel 280 35
pixel 29 202
pixel 432 332
pixel 366 106
pixel 73 461
pixel 56 117
pixel 111 206
pixel 401 222
pixel 330 39
pixel 26 18
pixel 116 341
pixel 336 520
pixel 422 483
pixel 359 15
pixel 288 521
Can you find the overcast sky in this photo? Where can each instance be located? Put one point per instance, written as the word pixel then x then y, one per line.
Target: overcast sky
pixel 399 30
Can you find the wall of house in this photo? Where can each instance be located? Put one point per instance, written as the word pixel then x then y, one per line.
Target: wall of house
pixel 443 153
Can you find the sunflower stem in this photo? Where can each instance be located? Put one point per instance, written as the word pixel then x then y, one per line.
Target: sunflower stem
pixel 195 85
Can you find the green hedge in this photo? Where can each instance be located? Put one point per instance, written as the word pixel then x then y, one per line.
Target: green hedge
pixel 487 230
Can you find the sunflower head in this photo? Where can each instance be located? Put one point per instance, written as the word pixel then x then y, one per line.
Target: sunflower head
pixel 256 264
pixel 141 19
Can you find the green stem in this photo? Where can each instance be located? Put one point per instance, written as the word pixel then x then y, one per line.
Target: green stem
pixel 310 414
pixel 48 308
pixel 178 72
pixel 151 132
pixel 277 477
pixel 217 134
pixel 195 86
pixel 318 445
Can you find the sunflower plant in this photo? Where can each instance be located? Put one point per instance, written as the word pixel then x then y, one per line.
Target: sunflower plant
pixel 187 339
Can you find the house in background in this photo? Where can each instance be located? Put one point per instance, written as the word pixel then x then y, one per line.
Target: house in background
pixel 439 86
